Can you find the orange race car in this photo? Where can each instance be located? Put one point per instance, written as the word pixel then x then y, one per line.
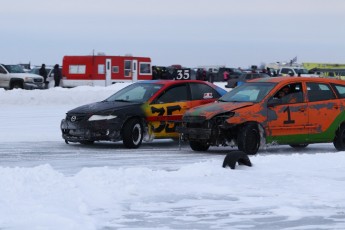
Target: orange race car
pixel 296 111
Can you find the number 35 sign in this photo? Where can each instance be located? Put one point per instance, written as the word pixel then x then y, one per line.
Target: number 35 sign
pixel 182 74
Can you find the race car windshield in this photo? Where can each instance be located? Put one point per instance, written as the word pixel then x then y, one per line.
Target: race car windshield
pixel 248 92
pixel 138 92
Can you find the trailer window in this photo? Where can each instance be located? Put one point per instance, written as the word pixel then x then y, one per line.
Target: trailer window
pixel 128 68
pixel 101 69
pixel 77 69
pixel 145 68
pixel 115 69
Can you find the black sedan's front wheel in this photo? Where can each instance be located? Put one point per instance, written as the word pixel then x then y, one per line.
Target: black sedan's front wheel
pixel 132 134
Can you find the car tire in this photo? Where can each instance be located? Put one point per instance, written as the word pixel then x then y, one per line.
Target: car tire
pixel 132 134
pixel 198 146
pixel 299 146
pixel 248 139
pixel 86 142
pixel 17 85
pixel 339 139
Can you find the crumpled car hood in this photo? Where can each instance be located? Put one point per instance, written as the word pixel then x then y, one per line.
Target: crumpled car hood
pixel 210 110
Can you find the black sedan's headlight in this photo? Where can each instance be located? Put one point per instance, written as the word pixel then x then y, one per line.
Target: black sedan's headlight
pixel 96 117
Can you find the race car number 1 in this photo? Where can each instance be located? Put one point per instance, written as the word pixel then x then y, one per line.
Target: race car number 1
pixel 289 120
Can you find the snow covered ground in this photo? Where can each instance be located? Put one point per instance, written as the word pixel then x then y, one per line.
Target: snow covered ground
pixel 46 184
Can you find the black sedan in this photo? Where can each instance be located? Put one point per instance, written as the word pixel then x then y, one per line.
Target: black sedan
pixel 144 110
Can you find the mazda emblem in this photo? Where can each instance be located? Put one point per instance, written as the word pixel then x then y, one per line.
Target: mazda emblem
pixel 73 118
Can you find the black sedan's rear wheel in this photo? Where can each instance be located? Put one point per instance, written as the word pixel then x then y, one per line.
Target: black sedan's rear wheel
pixel 132 134
pixel 248 139
pixel 199 146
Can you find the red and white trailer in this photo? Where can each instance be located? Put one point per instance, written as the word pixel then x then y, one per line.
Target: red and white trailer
pixel 101 70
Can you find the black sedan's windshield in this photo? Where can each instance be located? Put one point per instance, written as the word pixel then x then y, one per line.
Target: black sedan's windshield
pixel 248 92
pixel 137 92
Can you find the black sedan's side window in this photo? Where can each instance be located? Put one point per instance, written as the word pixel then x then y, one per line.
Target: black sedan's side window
pixel 203 91
pixel 174 94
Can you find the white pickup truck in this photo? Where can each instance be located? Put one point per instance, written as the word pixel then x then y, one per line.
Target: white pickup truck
pixel 13 76
pixel 295 71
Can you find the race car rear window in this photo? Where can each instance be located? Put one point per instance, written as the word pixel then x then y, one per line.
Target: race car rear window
pixel 319 92
pixel 341 90
pixel 174 94
pixel 203 91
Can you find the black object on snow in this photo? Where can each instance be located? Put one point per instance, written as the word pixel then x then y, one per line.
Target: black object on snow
pixel 236 156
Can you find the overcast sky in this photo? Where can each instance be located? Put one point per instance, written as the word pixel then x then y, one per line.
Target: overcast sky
pixel 188 32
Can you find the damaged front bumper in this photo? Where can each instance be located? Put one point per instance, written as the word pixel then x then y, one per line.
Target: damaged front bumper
pixel 93 131
pixel 195 133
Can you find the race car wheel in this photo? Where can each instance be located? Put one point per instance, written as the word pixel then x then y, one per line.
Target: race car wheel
pixel 132 134
pixel 248 139
pixel 198 146
pixel 86 142
pixel 299 146
pixel 339 139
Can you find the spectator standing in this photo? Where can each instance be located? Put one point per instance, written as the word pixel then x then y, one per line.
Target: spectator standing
pixel 199 74
pixel 268 70
pixel 254 69
pixel 203 75
pixel 43 72
pixel 57 75
pixel 210 77
pixel 226 75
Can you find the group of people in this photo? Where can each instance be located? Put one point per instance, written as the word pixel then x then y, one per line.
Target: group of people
pixel 56 73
